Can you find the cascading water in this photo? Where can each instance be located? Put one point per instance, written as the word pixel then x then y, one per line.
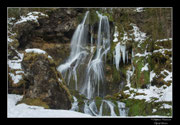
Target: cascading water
pixel 95 68
pixel 78 52
pixel 92 82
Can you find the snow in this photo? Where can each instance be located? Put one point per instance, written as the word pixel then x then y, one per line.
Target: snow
pixel 34 50
pixel 23 110
pixel 166 106
pixel 13 64
pixel 140 37
pixel 115 40
pixel 116 34
pixel 59 79
pixel 38 51
pixel 145 68
pixel 16 64
pixel 143 54
pixel 32 16
pixel 152 75
pixel 154 110
pixel 162 40
pixel 163 93
pixel 15 78
pixel 125 38
pixel 10 40
pixel 139 9
pixel 168 77
pixel 161 51
pixel 18 72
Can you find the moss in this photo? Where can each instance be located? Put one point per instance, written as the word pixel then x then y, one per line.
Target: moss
pixel 139 94
pixel 138 107
pixel 98 101
pixel 106 110
pixel 141 108
pixel 116 75
pixel 35 102
pixel 93 17
pixel 116 108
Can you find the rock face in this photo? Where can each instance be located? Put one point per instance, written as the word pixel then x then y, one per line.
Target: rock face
pixel 57 27
pixel 44 81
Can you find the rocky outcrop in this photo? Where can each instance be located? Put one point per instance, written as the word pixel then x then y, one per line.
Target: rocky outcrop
pixel 46 84
pixel 58 26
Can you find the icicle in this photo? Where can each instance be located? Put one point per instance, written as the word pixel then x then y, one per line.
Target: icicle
pixel 127 56
pixel 117 55
pixel 123 50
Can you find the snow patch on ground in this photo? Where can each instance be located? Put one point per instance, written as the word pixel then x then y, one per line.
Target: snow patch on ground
pixel 23 110
pixel 164 93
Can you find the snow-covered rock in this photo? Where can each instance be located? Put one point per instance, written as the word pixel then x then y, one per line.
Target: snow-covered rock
pixel 31 16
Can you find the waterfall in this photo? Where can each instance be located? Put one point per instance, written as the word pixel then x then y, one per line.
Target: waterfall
pixel 95 69
pixel 122 110
pixel 74 104
pixel 111 105
pixel 78 52
pixel 93 58
pixel 91 108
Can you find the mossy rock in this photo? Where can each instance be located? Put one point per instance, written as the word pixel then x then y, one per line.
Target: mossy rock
pixel 106 110
pixel 34 102
pixel 44 79
pixel 140 78
pixel 98 101
pixel 138 107
pixel 142 108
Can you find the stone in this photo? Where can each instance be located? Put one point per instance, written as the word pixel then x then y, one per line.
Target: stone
pixel 41 73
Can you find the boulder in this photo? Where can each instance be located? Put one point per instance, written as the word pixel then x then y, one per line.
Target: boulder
pixel 46 84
